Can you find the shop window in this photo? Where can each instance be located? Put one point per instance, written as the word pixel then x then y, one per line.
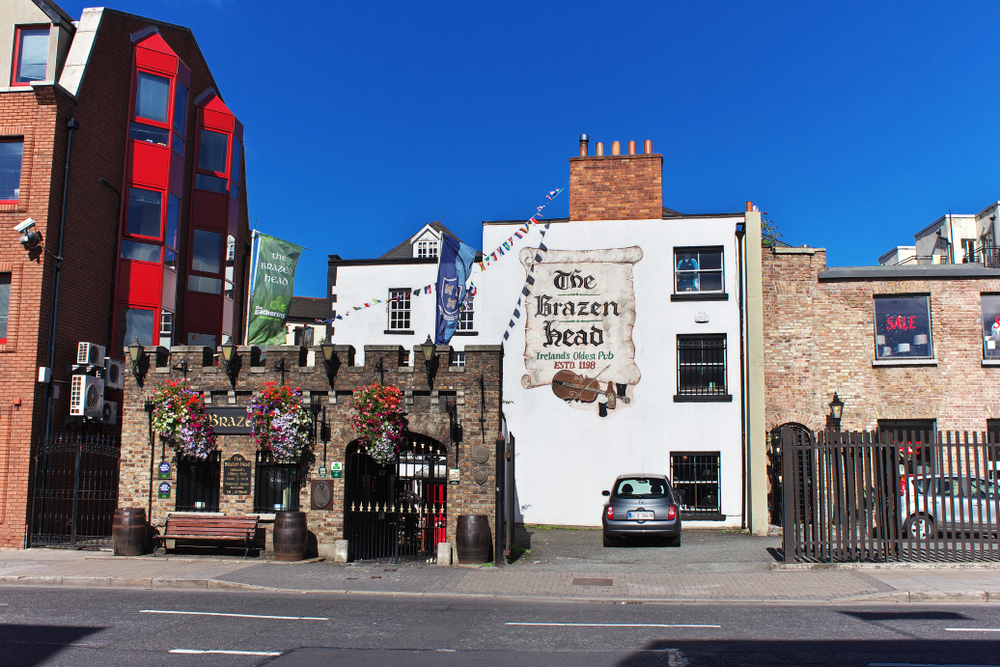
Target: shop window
pixel 144 210
pixel 180 109
pixel 903 327
pixel 212 151
pixel 696 476
pixel 912 437
pixel 990 305
pixel 140 252
pixel 135 323
pixel 198 484
pixel 698 269
pixel 4 306
pixel 701 368
pixel 152 97
pixel 31 53
pixel 399 310
pixel 276 485
pixel 11 152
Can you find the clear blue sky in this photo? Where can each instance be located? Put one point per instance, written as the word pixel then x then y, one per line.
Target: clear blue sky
pixel 853 125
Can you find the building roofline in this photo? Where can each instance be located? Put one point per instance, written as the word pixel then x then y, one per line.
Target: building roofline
pixel 919 272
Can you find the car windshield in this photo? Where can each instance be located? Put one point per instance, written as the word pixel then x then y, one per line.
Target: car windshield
pixel 641 487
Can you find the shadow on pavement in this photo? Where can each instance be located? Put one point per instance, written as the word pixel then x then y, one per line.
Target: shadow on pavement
pixel 29 645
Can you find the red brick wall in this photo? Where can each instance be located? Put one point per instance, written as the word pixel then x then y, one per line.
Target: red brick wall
pixel 620 187
pixel 819 339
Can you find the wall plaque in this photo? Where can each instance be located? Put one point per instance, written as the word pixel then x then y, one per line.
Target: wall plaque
pixel 228 420
pixel 236 476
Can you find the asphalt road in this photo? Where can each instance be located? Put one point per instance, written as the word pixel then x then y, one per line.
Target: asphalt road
pixel 141 627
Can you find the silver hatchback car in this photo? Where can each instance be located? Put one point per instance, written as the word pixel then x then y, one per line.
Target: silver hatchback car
pixel 933 504
pixel 642 504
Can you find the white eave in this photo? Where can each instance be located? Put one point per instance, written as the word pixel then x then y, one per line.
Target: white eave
pixel 79 51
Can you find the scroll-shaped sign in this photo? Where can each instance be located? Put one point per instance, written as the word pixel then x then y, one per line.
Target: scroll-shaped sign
pixel 578 326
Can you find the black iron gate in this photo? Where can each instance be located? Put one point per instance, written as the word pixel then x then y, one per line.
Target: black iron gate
pixel 398 511
pixel 76 490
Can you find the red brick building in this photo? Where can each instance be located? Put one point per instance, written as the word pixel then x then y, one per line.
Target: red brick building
pixel 122 170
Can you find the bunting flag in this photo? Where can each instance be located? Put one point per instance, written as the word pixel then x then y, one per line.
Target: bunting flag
pixel 508 245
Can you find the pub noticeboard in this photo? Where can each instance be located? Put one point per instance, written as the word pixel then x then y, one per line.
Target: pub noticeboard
pixel 228 421
pixel 236 476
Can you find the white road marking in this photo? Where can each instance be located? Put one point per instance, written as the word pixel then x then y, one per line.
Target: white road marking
pixel 617 625
pixel 972 629
pixel 195 651
pixel 215 613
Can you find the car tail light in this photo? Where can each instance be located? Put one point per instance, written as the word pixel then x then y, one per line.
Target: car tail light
pixel 610 513
pixel 902 484
pixel 672 513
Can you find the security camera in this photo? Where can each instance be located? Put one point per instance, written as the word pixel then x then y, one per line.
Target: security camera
pixel 25 226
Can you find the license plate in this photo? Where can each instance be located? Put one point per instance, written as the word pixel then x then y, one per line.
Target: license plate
pixel 640 516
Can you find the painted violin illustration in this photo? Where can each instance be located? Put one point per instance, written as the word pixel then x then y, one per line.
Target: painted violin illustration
pixel 570 386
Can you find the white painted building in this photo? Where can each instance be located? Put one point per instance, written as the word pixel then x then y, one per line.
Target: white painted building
pixel 951 239
pixel 383 301
pixel 627 354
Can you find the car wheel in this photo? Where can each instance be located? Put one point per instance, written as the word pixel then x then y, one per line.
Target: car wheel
pixel 608 541
pixel 674 541
pixel 920 527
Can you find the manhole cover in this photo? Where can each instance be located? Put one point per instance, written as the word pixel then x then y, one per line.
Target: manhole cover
pixel 583 581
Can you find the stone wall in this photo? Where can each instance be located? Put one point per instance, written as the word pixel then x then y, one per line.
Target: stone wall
pixel 426 408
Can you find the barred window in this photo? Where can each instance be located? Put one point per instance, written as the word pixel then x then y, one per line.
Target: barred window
pixel 701 368
pixel 198 484
pixel 696 476
pixel 399 309
pixel 276 485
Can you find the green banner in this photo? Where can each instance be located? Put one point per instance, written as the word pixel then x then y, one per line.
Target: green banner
pixel 272 290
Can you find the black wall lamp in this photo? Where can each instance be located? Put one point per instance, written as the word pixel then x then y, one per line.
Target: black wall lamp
pixel 231 362
pixel 139 361
pixel 836 412
pixel 331 362
pixel 430 360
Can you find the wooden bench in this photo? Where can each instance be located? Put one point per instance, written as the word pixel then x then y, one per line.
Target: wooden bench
pixel 194 528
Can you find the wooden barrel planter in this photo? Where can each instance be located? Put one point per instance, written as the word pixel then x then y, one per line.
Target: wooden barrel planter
pixel 472 538
pixel 290 535
pixel 128 531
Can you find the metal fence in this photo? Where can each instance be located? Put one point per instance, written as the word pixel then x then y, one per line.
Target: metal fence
pixel 76 490
pixel 881 496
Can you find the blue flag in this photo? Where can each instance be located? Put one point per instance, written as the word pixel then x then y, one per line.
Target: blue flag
pixel 454 267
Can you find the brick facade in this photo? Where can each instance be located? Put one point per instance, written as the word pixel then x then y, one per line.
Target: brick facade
pixel 40 114
pixel 819 339
pixel 616 187
pixel 426 410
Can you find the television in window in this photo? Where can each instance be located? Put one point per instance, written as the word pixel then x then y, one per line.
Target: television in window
pixel 903 327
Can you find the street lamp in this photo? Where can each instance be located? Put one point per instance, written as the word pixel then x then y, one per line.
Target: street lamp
pixel 330 361
pixel 427 347
pixel 139 361
pixel 836 412
pixel 231 361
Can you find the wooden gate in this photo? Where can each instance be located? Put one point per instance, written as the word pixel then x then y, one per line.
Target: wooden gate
pixel 397 511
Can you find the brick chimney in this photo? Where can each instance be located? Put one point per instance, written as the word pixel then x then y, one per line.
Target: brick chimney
pixel 616 187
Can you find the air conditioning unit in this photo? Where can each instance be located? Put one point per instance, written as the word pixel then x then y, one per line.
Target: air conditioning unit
pixel 109 413
pixel 114 373
pixel 86 396
pixel 90 354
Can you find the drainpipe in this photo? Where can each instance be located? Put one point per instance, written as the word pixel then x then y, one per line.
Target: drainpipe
pixel 72 125
pixel 741 231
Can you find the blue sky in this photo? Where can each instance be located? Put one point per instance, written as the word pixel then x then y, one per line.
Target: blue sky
pixel 853 125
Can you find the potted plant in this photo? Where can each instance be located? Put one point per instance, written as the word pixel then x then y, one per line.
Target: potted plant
pixel 279 424
pixel 179 417
pixel 378 421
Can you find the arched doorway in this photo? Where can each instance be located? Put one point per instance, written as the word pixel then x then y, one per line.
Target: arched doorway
pixel 397 511
pixel 775 475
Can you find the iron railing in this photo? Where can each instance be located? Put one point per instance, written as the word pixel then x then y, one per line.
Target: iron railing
pixel 696 476
pixel 76 490
pixel 276 485
pixel 198 484
pixel 882 496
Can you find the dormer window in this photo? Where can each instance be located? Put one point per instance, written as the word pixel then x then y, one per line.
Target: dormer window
pixel 31 52
pixel 426 249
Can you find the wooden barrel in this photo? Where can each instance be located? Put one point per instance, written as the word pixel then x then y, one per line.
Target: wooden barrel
pixel 128 531
pixel 473 538
pixel 290 535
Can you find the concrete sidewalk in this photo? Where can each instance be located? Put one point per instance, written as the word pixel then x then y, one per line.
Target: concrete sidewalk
pixel 571 578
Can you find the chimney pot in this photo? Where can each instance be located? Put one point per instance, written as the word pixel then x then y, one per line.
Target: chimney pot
pixel 616 148
pixel 749 206
pixel 600 149
pixel 647 147
pixel 584 143
pixel 631 148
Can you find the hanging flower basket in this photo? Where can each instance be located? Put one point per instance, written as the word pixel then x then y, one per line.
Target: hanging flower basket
pixel 278 422
pixel 378 421
pixel 180 420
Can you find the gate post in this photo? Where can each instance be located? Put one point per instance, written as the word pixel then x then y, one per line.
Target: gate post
pixel 76 491
pixel 499 530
